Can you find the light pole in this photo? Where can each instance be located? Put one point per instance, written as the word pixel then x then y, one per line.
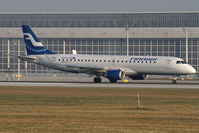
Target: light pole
pixel 127 40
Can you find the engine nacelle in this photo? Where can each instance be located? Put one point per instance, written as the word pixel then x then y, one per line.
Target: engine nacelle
pixel 115 74
pixel 139 77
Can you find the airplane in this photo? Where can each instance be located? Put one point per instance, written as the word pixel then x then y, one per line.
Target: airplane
pixel 112 67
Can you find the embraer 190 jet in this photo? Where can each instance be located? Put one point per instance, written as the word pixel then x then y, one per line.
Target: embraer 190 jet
pixel 111 67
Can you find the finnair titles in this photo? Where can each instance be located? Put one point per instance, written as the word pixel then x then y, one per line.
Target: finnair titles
pixel 112 67
pixel 143 59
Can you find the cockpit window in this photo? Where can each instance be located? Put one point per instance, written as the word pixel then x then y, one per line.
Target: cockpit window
pixel 178 62
pixel 184 62
pixel 181 62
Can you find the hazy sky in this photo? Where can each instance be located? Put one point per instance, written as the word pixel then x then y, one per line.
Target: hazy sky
pixel 98 5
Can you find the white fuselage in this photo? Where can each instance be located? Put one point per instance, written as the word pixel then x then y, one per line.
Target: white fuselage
pixel 110 66
pixel 131 65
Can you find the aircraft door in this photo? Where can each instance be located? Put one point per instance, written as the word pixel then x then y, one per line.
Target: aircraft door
pixel 54 59
pixel 168 64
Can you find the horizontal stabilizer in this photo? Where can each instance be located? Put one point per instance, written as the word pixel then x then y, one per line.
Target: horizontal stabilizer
pixel 26 58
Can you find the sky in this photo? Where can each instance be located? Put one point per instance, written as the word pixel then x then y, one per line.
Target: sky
pixel 98 5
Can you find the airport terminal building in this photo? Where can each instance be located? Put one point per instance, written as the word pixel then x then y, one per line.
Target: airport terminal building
pixel 152 34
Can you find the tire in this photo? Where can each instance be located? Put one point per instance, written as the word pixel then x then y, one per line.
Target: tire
pixel 112 80
pixel 174 82
pixel 97 80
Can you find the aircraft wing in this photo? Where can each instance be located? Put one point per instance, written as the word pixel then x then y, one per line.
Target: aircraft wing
pixel 88 68
pixel 102 69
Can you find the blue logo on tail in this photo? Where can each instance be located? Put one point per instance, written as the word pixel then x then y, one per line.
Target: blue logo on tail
pixel 33 44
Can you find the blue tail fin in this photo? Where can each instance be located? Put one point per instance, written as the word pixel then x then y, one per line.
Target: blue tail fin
pixel 33 44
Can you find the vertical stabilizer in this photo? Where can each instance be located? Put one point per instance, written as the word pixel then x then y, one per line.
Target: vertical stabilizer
pixel 33 44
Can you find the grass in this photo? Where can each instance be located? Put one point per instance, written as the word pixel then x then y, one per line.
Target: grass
pixel 98 110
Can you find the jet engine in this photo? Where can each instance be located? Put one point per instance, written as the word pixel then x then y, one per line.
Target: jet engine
pixel 114 75
pixel 139 77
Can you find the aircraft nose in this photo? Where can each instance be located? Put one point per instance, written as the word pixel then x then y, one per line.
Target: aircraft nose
pixel 191 70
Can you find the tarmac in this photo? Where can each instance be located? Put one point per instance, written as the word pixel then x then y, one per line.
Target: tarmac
pixel 164 84
pixel 84 80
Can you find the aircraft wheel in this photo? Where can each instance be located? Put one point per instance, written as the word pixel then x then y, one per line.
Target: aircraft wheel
pixel 112 80
pixel 97 80
pixel 174 81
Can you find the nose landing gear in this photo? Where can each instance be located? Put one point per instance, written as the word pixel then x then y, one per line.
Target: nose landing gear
pixel 174 80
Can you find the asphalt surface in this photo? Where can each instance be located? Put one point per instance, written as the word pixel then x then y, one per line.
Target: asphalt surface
pixel 133 84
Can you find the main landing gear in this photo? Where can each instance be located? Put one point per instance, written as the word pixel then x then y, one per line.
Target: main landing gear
pixel 97 80
pixel 112 80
